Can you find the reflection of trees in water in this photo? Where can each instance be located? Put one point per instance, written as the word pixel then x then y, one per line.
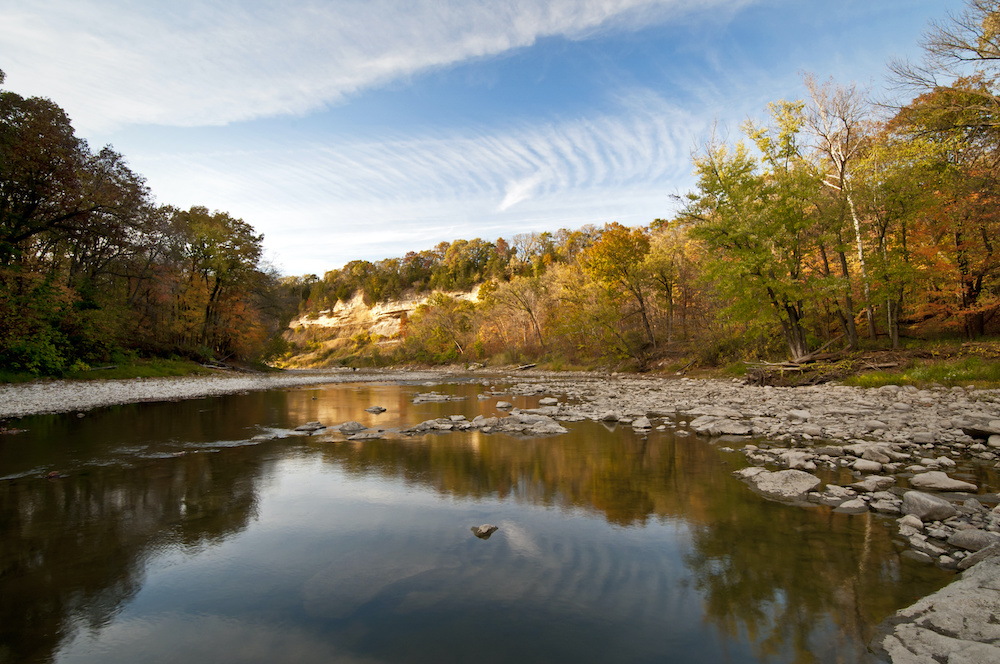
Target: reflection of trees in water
pixel 810 584
pixel 806 583
pixel 73 549
pixel 624 477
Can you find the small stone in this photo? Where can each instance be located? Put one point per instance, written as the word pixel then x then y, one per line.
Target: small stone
pixel 919 556
pixel 484 531
pixel 885 506
pixel 855 506
pixel 375 410
pixel 352 427
pixel 310 427
pixel 642 423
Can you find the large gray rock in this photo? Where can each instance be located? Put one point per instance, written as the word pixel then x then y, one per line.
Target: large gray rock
pixel 992 551
pixel 935 480
pixel 957 624
pixel 784 484
pixel 926 507
pixel 973 539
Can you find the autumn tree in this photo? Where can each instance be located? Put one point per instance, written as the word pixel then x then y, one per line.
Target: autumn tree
pixel 617 260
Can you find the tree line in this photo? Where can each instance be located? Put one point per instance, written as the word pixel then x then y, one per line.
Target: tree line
pixel 838 221
pixel 91 268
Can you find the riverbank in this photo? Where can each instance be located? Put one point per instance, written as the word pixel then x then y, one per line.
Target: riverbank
pixel 68 396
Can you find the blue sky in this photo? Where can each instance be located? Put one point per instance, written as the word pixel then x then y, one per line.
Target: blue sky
pixel 362 129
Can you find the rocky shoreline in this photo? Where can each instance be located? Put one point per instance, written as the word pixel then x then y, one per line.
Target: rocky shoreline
pixel 910 454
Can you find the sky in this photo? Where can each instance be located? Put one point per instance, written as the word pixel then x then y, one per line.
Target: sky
pixel 364 129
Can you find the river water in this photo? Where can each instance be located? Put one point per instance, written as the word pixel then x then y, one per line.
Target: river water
pixel 170 536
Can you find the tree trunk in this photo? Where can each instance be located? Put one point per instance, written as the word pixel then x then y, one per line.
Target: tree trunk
pixel 869 310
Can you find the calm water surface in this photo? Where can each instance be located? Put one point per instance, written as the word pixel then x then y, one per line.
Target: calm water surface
pixel 172 538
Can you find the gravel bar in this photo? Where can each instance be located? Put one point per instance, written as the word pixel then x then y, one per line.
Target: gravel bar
pixel 62 396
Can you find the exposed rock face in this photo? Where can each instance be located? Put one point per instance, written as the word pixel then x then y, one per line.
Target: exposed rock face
pixel 382 319
pixel 957 624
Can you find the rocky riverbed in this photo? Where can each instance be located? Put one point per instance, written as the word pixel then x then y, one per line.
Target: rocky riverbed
pixel 911 455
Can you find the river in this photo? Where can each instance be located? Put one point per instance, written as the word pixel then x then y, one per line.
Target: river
pixel 171 536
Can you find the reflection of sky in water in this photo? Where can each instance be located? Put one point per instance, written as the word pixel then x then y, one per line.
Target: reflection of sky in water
pixel 612 546
pixel 335 564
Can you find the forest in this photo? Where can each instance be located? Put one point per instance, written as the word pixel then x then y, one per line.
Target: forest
pixel 93 271
pixel 836 222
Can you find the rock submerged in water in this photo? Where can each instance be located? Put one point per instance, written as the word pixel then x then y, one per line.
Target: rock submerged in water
pixel 375 410
pixel 484 531
pixel 352 427
pixel 310 427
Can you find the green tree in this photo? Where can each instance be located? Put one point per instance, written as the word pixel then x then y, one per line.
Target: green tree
pixel 754 220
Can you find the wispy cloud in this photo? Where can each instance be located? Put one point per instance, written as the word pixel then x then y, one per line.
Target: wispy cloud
pixel 380 197
pixel 196 62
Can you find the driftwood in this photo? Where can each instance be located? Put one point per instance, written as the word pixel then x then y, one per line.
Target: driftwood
pixel 814 355
pixel 526 366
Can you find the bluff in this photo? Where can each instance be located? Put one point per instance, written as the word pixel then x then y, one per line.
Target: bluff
pixel 326 332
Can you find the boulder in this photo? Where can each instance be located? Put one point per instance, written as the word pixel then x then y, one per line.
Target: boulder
pixel 866 466
pixel 973 539
pixel 789 485
pixel 548 401
pixel 936 480
pixel 992 551
pixel 927 507
pixel 504 405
